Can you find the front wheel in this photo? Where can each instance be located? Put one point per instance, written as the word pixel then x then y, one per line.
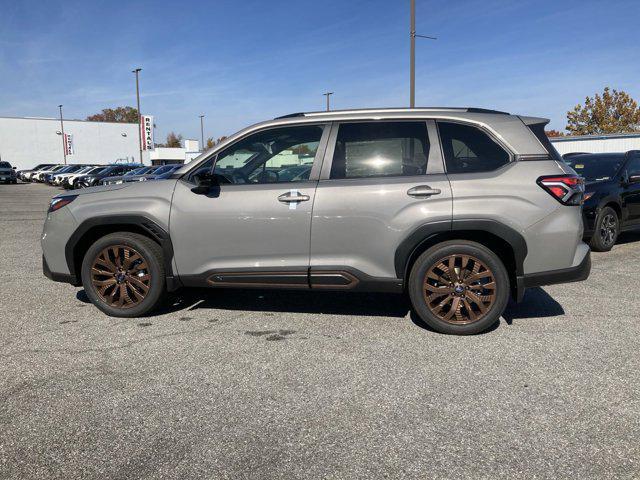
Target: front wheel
pixel 459 287
pixel 123 274
pixel 606 231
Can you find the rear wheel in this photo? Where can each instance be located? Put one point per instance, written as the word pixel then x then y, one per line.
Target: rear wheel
pixel 123 274
pixel 459 287
pixel 606 231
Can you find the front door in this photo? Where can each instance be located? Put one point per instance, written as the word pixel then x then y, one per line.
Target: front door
pixel 631 191
pixel 254 227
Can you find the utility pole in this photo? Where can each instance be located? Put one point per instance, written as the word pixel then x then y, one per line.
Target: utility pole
pixel 64 139
pixel 137 71
pixel 328 94
pixel 202 132
pixel 412 60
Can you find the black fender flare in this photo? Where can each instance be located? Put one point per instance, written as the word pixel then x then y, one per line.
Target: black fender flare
pixel 427 231
pixel 148 225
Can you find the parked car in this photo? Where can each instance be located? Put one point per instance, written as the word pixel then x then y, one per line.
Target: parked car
pixel 61 179
pixel 71 181
pixel 93 178
pixel 456 208
pixel 40 175
pixel 155 170
pixel 121 178
pixel 25 175
pixel 7 173
pixel 56 178
pixel 162 173
pixel 612 195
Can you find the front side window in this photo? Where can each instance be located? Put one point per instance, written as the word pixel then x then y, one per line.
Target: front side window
pixel 283 154
pixel 468 149
pixel 633 168
pixel 380 149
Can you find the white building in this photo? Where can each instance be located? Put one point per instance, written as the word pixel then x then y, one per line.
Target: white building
pixel 27 141
pixel 621 142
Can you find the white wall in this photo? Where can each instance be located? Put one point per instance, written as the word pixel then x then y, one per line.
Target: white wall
pixel 25 142
pixel 597 144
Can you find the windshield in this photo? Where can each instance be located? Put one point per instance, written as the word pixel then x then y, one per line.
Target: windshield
pixel 96 170
pixel 137 171
pixel 164 169
pixel 5 165
pixel 85 169
pixel 596 168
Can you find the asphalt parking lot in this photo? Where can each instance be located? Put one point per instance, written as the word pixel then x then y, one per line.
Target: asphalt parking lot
pixel 233 384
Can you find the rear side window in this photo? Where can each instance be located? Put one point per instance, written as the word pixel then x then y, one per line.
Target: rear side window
pixel 380 149
pixel 468 149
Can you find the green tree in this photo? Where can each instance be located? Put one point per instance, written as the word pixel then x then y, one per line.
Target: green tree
pixel 612 112
pixel 118 114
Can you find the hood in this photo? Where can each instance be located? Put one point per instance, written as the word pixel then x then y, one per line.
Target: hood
pixel 97 189
pixel 6 170
pixel 597 183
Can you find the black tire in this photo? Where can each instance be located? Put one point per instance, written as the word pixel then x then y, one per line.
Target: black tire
pixel 500 287
pixel 150 252
pixel 606 231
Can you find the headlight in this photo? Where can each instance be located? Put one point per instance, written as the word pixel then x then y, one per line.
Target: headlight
pixel 587 196
pixel 143 179
pixel 58 202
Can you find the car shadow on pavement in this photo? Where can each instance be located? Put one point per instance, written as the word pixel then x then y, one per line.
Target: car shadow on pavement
pixel 537 303
pixel 628 237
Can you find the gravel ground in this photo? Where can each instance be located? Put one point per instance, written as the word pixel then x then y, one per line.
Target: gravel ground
pixel 233 384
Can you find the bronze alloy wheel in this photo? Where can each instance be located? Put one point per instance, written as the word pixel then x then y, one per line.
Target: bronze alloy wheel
pixel 459 289
pixel 120 276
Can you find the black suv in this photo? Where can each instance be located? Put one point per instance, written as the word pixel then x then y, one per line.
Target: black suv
pixel 612 195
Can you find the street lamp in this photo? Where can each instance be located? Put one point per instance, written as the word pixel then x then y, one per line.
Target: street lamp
pixel 202 133
pixel 412 61
pixel 64 143
pixel 137 71
pixel 328 94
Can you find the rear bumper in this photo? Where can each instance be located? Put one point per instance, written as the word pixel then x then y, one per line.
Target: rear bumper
pixel 565 275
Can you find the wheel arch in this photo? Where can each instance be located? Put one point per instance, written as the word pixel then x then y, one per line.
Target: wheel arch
pixel 92 229
pixel 501 239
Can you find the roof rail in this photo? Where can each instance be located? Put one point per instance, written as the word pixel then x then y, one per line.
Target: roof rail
pixel 392 110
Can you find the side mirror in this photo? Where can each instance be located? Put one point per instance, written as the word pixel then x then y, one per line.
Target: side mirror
pixel 204 182
pixel 14 168
pixel 634 177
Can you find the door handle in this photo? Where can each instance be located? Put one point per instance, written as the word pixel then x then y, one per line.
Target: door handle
pixel 290 197
pixel 423 191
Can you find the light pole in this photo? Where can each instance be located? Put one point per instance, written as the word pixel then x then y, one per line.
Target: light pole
pixel 137 71
pixel 64 142
pixel 328 94
pixel 412 60
pixel 202 149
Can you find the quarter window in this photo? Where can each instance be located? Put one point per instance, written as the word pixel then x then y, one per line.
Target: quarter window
pixel 380 149
pixel 468 149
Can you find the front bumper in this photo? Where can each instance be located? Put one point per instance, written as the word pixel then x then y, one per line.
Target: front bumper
pixel 58 277
pixel 576 273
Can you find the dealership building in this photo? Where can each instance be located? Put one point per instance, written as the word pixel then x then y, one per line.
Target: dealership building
pixel 27 141
pixel 619 142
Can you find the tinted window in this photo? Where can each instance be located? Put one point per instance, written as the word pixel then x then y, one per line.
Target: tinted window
pixel 468 149
pixel 379 149
pixel 5 165
pixel 596 167
pixel 264 156
pixel 633 168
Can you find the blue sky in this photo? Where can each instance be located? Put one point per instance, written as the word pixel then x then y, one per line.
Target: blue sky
pixel 243 61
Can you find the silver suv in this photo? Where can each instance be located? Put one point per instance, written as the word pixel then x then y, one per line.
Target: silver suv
pixel 459 208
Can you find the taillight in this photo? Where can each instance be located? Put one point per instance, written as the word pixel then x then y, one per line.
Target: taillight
pixel 567 189
pixel 58 202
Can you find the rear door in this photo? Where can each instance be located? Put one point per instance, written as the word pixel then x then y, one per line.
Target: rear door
pixel 380 180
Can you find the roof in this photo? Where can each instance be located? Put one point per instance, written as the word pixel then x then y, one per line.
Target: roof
pixel 368 111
